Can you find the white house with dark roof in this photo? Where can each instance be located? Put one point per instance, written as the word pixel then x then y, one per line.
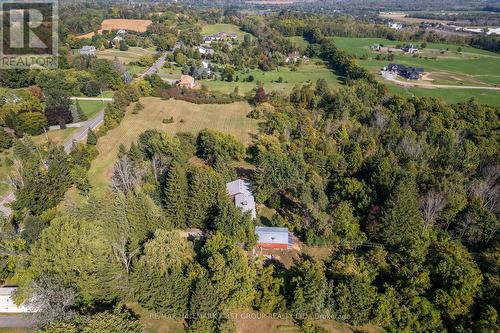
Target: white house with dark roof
pixel 241 192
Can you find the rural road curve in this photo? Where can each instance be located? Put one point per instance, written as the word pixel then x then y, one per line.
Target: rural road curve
pixel 156 66
pixel 79 135
pixel 392 78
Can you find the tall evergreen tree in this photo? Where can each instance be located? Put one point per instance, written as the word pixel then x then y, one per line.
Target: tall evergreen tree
pixel 176 194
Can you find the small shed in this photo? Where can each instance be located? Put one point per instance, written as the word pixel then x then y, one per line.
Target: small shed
pixel 273 238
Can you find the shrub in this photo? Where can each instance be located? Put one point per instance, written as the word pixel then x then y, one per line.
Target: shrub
pixel 169 120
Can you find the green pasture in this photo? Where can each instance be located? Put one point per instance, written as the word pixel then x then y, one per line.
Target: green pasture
pixel 308 72
pixel 211 29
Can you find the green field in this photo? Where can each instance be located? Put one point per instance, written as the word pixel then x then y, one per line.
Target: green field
pixel 211 29
pixel 188 117
pixel 449 95
pixel 443 66
pixel 132 54
pixel 92 108
pixel 308 72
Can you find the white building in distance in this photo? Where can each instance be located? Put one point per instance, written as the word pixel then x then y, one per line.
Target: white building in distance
pixel 241 192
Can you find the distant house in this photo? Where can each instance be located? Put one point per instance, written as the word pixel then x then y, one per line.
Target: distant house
pixel 88 50
pixel 395 25
pixel 241 192
pixel 410 48
pixel 375 47
pixel 186 81
pixel 208 39
pixel 7 304
pixel 408 72
pixel 292 56
pixel 206 66
pixel 121 32
pixel 205 50
pixel 233 36
pixel 117 39
pixel 178 45
pixel 273 238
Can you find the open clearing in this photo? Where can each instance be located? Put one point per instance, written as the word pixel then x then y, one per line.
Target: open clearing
pixel 92 108
pixel 212 29
pixel 443 64
pixel 132 54
pixel 116 24
pixel 403 17
pixel 229 118
pixel 308 72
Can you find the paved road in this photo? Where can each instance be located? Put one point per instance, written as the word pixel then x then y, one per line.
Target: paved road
pixel 393 78
pixel 18 320
pixel 79 135
pixel 156 66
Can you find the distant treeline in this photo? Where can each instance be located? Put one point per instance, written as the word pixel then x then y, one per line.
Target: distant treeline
pixel 303 24
pixel 464 18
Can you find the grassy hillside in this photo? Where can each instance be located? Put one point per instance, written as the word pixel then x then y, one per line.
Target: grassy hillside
pixel 188 117
pixel 211 29
pixel 443 65
pixel 308 72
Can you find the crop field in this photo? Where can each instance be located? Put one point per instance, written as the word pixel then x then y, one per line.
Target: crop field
pixel 308 72
pixel 188 117
pixel 211 29
pixel 132 54
pixel 443 65
pixel 116 24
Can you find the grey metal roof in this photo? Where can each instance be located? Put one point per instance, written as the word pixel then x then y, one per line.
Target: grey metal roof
pixel 272 235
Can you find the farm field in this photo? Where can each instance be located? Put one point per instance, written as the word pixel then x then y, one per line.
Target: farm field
pixel 308 72
pixel 229 118
pixel 443 66
pixel 116 24
pixel 212 29
pixel 132 54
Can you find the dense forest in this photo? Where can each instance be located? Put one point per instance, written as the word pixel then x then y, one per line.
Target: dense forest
pixel 403 192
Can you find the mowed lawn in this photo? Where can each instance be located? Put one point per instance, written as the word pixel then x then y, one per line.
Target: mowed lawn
pixel 490 97
pixel 132 54
pixel 308 72
pixel 443 66
pixel 188 117
pixel 92 108
pixel 212 29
